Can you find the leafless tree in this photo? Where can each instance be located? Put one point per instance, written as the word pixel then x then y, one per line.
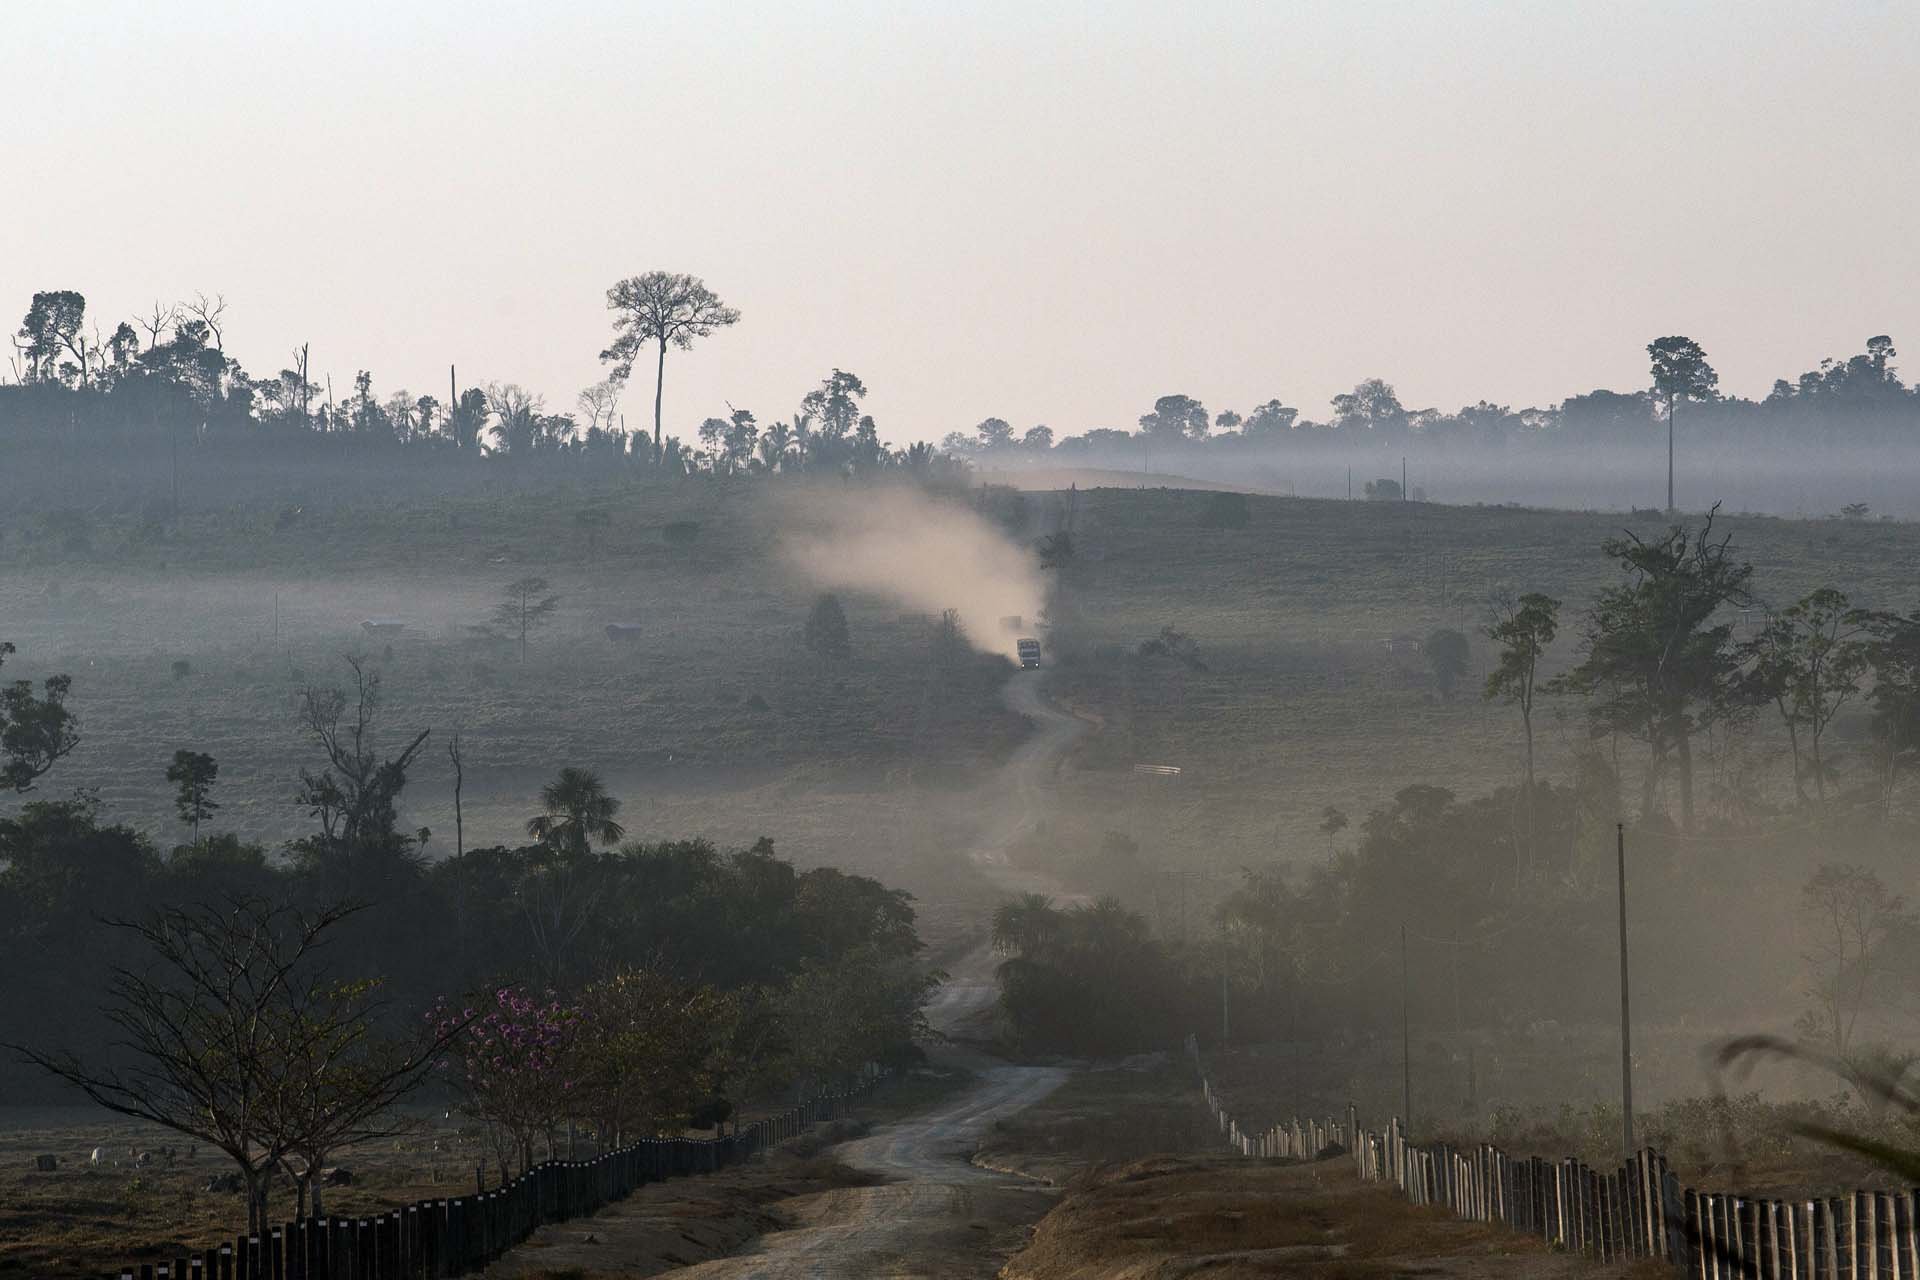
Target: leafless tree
pixel 1848 916
pixel 158 321
pixel 198 1018
pixel 354 796
pixel 599 403
pixel 208 312
pixel 459 779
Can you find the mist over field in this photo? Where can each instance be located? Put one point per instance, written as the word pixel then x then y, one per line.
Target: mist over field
pixel 705 641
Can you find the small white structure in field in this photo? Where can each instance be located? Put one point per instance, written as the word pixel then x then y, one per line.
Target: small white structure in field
pixel 384 628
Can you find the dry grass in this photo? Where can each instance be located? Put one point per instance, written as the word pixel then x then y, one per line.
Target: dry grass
pixel 1167 1216
pixel 81 1221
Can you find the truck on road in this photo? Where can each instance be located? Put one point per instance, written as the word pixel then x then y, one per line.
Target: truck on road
pixel 1029 651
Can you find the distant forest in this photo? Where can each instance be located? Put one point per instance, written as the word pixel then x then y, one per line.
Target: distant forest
pixel 162 383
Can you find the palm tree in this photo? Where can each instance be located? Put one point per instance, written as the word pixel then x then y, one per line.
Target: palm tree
pixel 579 813
pixel 1027 927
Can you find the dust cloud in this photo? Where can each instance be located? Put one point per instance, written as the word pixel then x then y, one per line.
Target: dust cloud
pixel 924 553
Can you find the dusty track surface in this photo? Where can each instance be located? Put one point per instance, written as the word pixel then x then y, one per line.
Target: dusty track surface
pixel 935 1214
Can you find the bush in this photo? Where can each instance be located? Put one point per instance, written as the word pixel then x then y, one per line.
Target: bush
pixel 1383 490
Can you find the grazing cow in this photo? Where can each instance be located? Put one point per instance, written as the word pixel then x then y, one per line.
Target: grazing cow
pixel 98 1158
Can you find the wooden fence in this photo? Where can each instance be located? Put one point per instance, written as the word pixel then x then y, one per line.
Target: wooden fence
pixel 462 1234
pixel 1638 1210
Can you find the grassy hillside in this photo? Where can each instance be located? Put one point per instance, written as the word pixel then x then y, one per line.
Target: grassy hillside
pixel 1303 704
pixel 718 720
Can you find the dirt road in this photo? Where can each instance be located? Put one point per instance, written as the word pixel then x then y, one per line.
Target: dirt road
pixel 936 1215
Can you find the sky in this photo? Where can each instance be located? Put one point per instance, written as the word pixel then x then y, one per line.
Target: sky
pixel 1048 213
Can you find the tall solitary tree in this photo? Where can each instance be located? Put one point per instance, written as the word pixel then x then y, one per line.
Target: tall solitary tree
pixel 525 608
pixel 1523 629
pixel 1680 372
pixel 192 774
pixel 660 307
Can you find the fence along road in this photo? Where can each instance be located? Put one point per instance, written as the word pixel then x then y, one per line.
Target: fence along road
pixel 920 1221
pixel 1636 1211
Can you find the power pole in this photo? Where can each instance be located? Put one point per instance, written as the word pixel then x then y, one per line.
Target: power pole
pixel 1403 477
pixel 453 402
pixel 1406 1039
pixel 1226 1026
pixel 1670 402
pixel 1626 1030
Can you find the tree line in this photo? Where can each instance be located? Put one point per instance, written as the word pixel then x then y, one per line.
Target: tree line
pixel 163 381
pixel 164 378
pixel 275 1004
pixel 1859 401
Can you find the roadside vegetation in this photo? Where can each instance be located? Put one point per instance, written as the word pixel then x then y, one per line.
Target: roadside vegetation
pixel 270 1009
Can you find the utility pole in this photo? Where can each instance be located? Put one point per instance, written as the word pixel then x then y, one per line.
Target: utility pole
pixel 1226 1026
pixel 1403 477
pixel 1670 400
pixel 1406 1039
pixel 453 402
pixel 1626 1029
pixel 1349 482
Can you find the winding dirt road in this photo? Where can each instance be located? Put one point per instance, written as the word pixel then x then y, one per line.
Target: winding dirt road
pixel 936 1214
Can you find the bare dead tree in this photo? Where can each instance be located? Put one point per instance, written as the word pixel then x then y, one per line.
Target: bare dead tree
pixel 208 312
pixel 199 1020
pixel 354 796
pixel 599 403
pixel 459 779
pixel 158 321
pixel 306 387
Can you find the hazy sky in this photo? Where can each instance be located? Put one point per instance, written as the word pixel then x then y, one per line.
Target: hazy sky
pixel 1048 213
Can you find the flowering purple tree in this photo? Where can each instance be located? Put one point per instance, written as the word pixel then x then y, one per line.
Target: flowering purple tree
pixel 511 1065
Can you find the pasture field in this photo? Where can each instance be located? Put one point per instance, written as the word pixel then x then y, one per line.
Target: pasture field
pixel 718 720
pixel 715 721
pixel 1302 704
